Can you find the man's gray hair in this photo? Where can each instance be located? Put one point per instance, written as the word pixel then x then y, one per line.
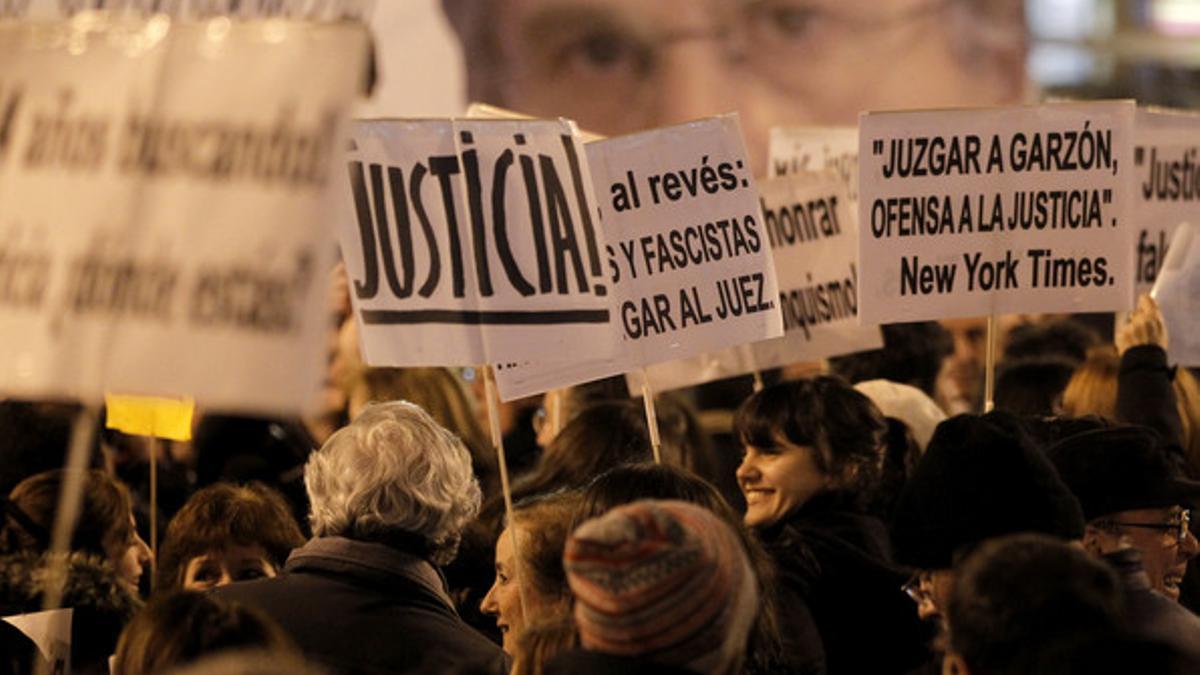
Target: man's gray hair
pixel 393 472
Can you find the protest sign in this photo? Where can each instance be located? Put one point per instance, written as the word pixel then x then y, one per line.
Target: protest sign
pixel 814 243
pixel 1006 210
pixel 50 632
pixel 154 416
pixel 1177 292
pixel 797 149
pixel 1166 158
pixel 163 207
pixel 473 241
pixel 688 254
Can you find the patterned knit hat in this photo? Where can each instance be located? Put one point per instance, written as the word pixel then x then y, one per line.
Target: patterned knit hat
pixel 664 580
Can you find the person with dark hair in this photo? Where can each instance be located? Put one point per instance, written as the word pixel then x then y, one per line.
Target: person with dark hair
pixel 659 586
pixel 1032 386
pixel 101 604
pixel 769 651
pixel 1017 598
pixel 391 494
pixel 182 627
pixel 239 449
pixel 912 354
pixel 530 580
pixel 980 478
pixel 1064 338
pixel 105 529
pixel 227 533
pixel 812 453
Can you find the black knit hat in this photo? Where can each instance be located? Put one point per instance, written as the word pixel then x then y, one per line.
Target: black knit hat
pixel 1121 468
pixel 980 477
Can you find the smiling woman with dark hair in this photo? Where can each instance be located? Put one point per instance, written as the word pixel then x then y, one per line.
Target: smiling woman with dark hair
pixel 812 454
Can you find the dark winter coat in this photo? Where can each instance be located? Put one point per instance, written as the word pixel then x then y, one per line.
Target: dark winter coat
pixel 836 561
pixel 362 608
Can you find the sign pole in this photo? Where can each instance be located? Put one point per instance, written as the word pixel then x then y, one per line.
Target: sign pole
pixel 989 366
pixel 651 417
pixel 70 503
pixel 154 449
pixel 493 407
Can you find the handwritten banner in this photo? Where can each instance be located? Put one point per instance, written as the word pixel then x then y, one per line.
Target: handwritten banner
pixel 474 241
pixel 971 212
pixel 163 207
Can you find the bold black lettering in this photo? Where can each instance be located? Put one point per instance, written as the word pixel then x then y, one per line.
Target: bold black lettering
pixel 369 286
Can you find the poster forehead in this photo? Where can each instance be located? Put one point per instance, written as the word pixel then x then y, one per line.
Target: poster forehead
pixel 163 206
pixel 970 212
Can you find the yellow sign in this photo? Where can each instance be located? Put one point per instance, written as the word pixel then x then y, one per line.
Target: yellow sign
pixel 151 416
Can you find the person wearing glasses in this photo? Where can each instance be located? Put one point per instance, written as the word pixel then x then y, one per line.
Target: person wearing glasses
pixel 1138 512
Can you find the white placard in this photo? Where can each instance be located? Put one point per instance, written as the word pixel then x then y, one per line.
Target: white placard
pixel 995 211
pixel 1177 292
pixel 474 241
pixel 687 249
pixel 799 149
pixel 814 242
pixel 163 207
pixel 51 632
pixel 1166 157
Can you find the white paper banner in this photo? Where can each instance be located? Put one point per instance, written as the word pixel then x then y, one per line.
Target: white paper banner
pixel 1007 210
pixel 163 207
pixel 1177 292
pixel 474 241
pixel 1166 157
pixel 687 249
pixel 814 243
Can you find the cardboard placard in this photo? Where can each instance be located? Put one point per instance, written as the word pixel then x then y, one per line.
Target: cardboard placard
pixel 150 416
pixel 1177 292
pixel 994 211
pixel 799 149
pixel 688 253
pixel 813 232
pixel 473 241
pixel 1166 157
pixel 163 207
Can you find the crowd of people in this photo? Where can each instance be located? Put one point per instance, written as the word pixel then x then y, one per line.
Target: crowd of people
pixel 857 517
pixel 836 523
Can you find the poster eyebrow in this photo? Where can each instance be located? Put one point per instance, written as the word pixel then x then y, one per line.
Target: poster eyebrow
pixel 481 317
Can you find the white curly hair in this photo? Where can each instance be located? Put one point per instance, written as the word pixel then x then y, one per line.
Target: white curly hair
pixel 393 472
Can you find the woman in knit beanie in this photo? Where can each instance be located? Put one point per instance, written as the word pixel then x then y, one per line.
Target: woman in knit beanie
pixel 665 583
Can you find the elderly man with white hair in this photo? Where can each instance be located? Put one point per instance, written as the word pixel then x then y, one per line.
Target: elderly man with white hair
pixel 390 495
